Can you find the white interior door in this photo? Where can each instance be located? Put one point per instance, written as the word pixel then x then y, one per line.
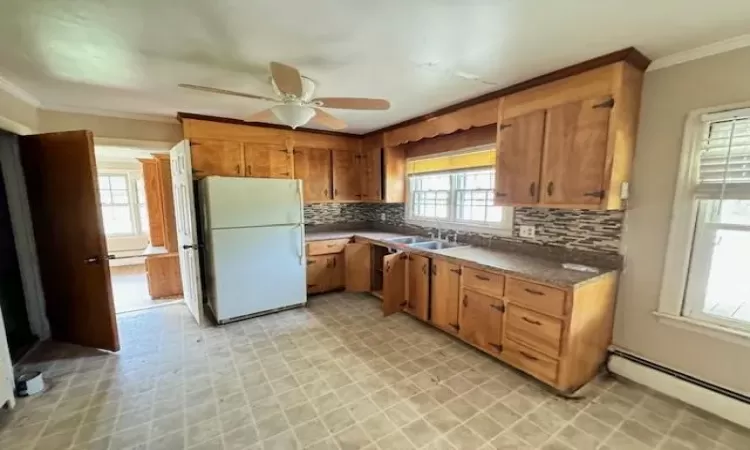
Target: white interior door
pixel 187 233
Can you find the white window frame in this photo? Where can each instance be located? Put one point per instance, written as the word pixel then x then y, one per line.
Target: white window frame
pixel 682 235
pixel 502 228
pixel 132 177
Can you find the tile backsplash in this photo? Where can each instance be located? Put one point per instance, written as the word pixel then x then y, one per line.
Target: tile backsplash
pixel 593 231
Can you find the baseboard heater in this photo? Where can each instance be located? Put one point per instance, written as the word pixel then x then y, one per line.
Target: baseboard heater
pixel 730 405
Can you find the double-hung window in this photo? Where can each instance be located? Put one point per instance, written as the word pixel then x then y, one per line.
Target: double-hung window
pixel 708 260
pixel 456 192
pixel 123 204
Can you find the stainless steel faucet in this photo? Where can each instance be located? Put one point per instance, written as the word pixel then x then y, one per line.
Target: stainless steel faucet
pixel 439 228
pixel 455 237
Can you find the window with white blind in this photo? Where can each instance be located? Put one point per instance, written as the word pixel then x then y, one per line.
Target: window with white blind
pixel 456 192
pixel 710 234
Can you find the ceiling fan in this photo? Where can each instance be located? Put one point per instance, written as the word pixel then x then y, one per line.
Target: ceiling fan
pixel 295 93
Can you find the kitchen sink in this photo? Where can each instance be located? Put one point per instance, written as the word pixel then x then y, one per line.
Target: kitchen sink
pixel 436 245
pixel 409 240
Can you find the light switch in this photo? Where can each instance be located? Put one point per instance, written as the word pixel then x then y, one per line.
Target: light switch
pixel 527 231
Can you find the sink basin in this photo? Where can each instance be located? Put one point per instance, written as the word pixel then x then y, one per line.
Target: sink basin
pixel 435 245
pixel 408 240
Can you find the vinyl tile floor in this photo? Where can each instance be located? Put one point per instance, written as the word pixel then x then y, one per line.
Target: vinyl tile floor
pixel 334 375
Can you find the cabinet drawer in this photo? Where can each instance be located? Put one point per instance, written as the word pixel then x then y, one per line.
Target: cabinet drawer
pixel 536 296
pixel 540 332
pixel 490 283
pixel 326 247
pixel 530 361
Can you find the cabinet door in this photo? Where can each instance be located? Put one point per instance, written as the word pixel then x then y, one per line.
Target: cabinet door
pixel 371 171
pixel 151 186
pixel 575 152
pixel 358 263
pixel 481 320
pixel 346 175
pixel 313 167
pixel 210 157
pixel 267 161
pixel 519 158
pixel 336 272
pixel 317 274
pixel 418 292
pixel 444 295
pixel 167 201
pixel 394 283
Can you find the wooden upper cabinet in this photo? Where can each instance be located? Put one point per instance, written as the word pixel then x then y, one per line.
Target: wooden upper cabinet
pixel 214 157
pixel 267 161
pixel 346 175
pixel 575 152
pixel 371 166
pixel 418 292
pixel 313 167
pixel 519 157
pixel 445 284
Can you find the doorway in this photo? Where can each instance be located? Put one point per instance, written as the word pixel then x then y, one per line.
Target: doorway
pixel 133 227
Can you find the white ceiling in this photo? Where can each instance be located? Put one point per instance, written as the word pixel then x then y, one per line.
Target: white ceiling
pixel 127 56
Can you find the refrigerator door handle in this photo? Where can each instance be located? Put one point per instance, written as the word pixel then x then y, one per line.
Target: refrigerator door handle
pixel 301 253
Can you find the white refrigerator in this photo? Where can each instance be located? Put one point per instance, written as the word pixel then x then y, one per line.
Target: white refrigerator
pixel 253 245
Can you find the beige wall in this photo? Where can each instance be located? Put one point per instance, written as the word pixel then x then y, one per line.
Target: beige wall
pixel 16 115
pixel 668 95
pixel 111 127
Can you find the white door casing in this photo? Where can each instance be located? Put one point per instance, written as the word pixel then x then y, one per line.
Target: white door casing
pixel 187 233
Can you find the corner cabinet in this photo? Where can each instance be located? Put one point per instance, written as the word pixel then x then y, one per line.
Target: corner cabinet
pixel 569 143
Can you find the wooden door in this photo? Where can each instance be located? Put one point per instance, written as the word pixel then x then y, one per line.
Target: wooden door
pixel 151 186
pixel 267 161
pixel 444 295
pixel 186 227
pixel 418 292
pixel 313 167
pixel 575 153
pixel 371 170
pixel 61 181
pixel 212 157
pixel 519 158
pixel 394 283
pixel 336 271
pixel 346 175
pixel 358 264
pixel 167 198
pixel 480 320
pixel 317 274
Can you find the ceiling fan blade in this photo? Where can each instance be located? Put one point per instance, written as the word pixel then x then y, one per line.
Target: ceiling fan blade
pixel 262 116
pixel 224 91
pixel 287 78
pixel 327 120
pixel 352 103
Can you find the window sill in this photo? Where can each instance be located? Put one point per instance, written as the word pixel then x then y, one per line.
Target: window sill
pixel 462 227
pixel 721 332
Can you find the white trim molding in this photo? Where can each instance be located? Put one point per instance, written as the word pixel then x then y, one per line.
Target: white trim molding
pixel 700 52
pixel 18 92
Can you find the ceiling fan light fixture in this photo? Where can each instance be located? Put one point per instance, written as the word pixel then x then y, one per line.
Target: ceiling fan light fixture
pixel 293 115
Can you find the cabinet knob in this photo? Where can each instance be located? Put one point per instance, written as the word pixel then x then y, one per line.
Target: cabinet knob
pixel 550 188
pixel 532 189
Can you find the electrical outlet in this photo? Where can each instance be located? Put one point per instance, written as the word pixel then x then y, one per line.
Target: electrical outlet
pixel 527 231
pixel 382 217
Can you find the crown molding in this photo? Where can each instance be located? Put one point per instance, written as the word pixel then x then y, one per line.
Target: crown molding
pixel 108 113
pixel 700 52
pixel 17 92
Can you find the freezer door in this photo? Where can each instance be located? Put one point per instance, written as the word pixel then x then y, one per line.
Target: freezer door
pixel 257 269
pixel 252 202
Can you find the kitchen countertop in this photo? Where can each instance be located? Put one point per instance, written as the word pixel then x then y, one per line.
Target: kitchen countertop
pixel 512 263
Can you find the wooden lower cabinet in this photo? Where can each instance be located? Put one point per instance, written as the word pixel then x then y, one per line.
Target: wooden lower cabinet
pixel 394 282
pixel 163 275
pixel 336 272
pixel 325 273
pixel 480 320
pixel 418 291
pixel 445 285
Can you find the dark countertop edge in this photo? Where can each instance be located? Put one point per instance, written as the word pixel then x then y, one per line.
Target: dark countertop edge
pixel 326 235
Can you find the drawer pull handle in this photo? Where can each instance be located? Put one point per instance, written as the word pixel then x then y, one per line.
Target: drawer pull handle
pixel 310 261
pixel 482 277
pixel 532 291
pixel 527 356
pixel 466 301
pixel 533 322
pixel 330 245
